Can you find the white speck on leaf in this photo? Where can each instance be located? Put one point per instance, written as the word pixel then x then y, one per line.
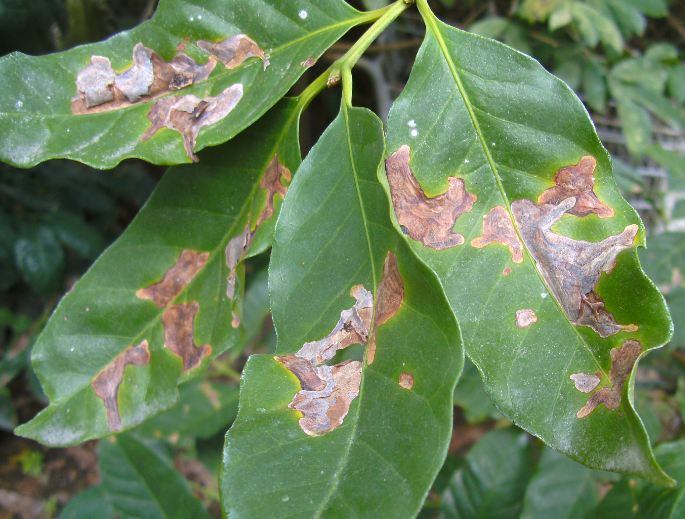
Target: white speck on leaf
pixel 303 14
pixel 414 132
pixel 466 161
pixel 543 295
pixel 285 499
pixel 19 104
pixel 411 124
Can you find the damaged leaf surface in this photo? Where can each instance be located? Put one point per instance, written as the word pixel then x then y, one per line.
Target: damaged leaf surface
pixel 163 286
pixel 93 103
pixel 548 233
pixel 322 432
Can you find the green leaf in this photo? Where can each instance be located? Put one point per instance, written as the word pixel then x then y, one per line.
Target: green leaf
pixel 77 235
pixel 39 257
pixel 664 259
pixel 204 408
pixel 594 86
pixel 141 483
pixel 493 480
pixel 36 119
pixel 636 125
pixel 92 502
pixel 560 488
pixel 676 303
pixel 594 26
pixel 471 396
pixel 671 160
pixel 492 127
pixel 653 8
pixel 630 20
pixel 662 52
pixel 676 83
pixel 111 327
pixel 386 435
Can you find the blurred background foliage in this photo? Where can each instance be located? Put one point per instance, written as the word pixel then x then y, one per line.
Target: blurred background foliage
pixel 626 61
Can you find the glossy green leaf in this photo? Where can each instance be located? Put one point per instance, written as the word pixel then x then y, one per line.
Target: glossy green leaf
pixel 141 483
pixel 471 396
pixel 194 212
pixel 36 120
pixel 92 502
pixel 493 479
pixel 479 111
pixel 378 460
pixel 560 488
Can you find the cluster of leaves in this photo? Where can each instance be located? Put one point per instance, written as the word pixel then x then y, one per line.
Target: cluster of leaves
pixel 419 240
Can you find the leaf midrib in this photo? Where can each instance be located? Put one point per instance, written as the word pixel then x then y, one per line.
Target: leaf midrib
pixel 431 23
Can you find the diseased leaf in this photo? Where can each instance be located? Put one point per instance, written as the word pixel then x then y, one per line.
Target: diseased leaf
pixel 493 479
pixel 159 302
pixel 320 436
pixel 576 302
pixel 139 482
pixel 191 77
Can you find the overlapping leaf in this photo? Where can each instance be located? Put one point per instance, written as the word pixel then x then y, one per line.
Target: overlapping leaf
pixel 267 46
pixel 318 435
pixel 501 186
pixel 167 294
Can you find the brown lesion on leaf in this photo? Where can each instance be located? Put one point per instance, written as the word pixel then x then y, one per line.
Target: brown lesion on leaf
pixel 233 51
pixel 622 361
pixel 389 297
pixel 327 391
pixel 406 380
pixel 106 383
pixel 179 334
pixel 274 182
pixel 571 267
pixel 100 89
pixel 175 279
pixel 506 271
pixel 189 114
pixel 309 62
pixel 525 317
pixel 586 383
pixel 428 220
pixel 577 181
pixel 498 228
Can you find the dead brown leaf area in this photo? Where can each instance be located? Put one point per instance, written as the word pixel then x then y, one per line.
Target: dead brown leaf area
pixel 498 228
pixel 428 220
pixel 327 391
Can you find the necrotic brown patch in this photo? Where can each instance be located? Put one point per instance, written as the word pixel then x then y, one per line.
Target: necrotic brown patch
pixel 577 181
pixel 175 279
pixel 189 114
pixel 390 295
pixel 428 220
pixel 178 334
pixel 525 317
pixel 328 391
pixel 498 228
pixel 106 383
pixel 406 380
pixel 100 89
pixel 233 51
pixel 622 361
pixel 570 267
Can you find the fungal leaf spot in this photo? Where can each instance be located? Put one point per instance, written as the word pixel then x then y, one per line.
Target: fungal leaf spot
pixel 406 380
pixel 390 295
pixel 189 114
pixel 577 181
pixel 498 228
pixel 175 279
pixel 571 267
pixel 274 181
pixel 106 383
pixel 178 334
pixel 233 51
pixel 327 391
pixel 100 89
pixel 525 317
pixel 622 361
pixel 428 220
pixel 585 383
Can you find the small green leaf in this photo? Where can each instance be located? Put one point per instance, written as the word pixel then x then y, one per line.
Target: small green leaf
pixel 594 86
pixel 126 323
pixel 630 20
pixel 92 502
pixel 479 134
pixel 560 488
pixel 77 235
pixel 664 259
pixel 141 483
pixel 636 125
pixel 493 479
pixel 39 122
pixel 39 257
pixel 377 449
pixel 676 83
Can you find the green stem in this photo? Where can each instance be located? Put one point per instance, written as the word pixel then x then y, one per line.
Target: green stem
pixel 382 19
